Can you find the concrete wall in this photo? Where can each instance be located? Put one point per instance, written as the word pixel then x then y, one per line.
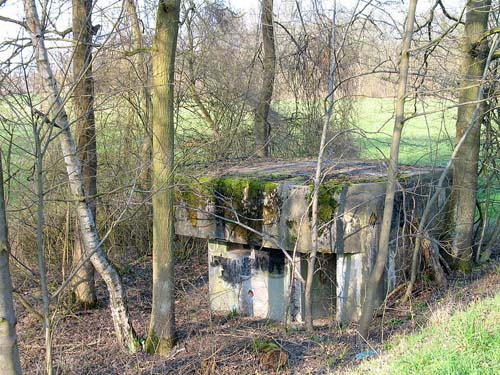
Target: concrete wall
pixel 256 283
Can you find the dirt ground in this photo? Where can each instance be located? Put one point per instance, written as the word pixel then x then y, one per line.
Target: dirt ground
pixel 209 344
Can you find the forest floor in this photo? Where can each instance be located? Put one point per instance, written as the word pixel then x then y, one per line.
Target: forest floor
pixel 209 344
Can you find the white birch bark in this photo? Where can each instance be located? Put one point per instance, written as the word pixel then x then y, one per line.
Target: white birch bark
pixel 123 328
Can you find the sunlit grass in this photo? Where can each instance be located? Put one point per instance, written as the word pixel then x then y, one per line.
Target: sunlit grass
pixel 426 140
pixel 453 343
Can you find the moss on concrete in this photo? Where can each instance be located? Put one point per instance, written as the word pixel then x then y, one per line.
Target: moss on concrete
pixel 239 188
pixel 254 200
pixel 247 196
pixel 327 199
pixel 195 193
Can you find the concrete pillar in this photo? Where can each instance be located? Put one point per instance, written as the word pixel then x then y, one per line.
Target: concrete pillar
pixel 350 284
pixel 229 278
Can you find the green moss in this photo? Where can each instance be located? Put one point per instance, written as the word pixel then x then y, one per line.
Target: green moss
pixel 464 266
pixel 270 187
pixel 156 345
pixel 240 188
pixel 254 200
pixel 195 193
pixel 327 199
pixel 326 212
pixel 231 187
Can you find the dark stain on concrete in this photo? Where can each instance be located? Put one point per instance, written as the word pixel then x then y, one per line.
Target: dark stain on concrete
pixel 234 271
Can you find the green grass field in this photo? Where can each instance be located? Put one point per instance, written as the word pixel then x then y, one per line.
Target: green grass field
pixel 426 140
pixel 453 343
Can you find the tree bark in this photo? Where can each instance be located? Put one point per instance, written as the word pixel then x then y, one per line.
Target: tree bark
pixel 83 102
pixel 439 189
pixel 9 352
pixel 123 328
pixel 161 335
pixel 262 128
pixel 392 176
pixel 463 196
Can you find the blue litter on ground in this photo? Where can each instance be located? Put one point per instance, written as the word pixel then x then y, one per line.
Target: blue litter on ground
pixel 367 354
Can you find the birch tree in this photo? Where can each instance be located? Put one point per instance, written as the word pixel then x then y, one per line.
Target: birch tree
pixel 83 102
pixel 9 352
pixel 123 328
pixel 161 335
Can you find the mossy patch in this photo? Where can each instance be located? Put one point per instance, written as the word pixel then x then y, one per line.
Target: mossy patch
pixel 327 199
pixel 195 194
pixel 157 345
pixel 243 189
pixel 249 200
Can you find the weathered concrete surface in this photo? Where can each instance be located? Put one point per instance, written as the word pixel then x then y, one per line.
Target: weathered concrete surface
pixel 256 283
pixel 249 282
pixel 274 198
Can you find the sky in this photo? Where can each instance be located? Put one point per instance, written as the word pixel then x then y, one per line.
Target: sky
pixel 248 8
pixel 252 6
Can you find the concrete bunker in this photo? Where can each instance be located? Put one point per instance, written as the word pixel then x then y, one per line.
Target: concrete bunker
pixel 250 274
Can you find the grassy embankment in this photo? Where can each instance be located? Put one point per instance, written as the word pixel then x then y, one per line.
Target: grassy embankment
pixel 465 342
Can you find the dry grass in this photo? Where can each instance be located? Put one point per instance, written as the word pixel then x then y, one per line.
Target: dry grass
pixel 215 344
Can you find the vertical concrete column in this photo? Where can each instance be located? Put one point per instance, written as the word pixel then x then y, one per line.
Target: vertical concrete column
pixel 229 278
pixel 269 283
pixel 350 277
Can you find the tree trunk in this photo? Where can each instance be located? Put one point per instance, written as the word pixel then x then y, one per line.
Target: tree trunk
pixel 444 174
pixel 9 353
pixel 463 197
pixel 392 176
pixel 123 328
pixel 261 125
pixel 161 335
pixel 83 102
